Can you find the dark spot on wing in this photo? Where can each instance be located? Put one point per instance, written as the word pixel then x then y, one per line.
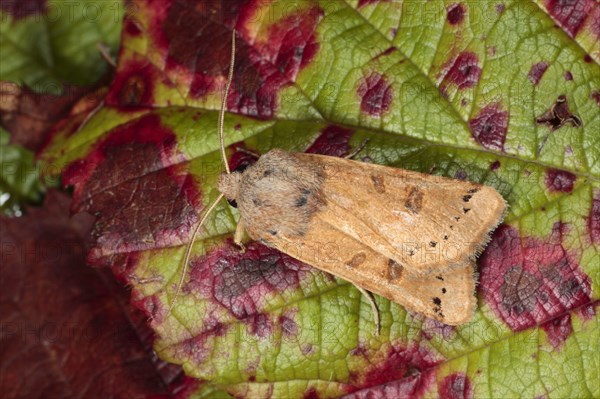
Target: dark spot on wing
pixel 432 244
pixel 439 278
pixel 306 191
pixel 268 172
pixel 414 201
pixel 357 260
pixel 394 270
pixel 256 202
pixel 273 232
pixel 465 210
pixel 300 201
pixel 473 190
pixel 457 218
pixel 437 309
pixel 445 237
pixel 378 183
pixel 443 290
pixel 466 198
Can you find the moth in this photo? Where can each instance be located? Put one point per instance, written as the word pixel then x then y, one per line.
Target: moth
pixel 409 237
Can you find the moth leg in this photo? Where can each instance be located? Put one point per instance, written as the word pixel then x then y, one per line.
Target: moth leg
pixel 357 149
pixel 371 300
pixel 239 235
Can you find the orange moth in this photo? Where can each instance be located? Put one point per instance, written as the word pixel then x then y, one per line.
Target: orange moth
pixel 409 237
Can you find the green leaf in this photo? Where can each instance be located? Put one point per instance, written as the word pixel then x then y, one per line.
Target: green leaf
pixel 19 178
pixel 465 90
pixel 53 43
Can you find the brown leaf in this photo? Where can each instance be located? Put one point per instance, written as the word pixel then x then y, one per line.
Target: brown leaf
pixel 67 329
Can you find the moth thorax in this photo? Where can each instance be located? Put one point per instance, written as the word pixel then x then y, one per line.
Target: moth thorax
pixel 229 185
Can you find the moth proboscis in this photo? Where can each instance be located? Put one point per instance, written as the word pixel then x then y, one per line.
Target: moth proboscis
pixel 410 237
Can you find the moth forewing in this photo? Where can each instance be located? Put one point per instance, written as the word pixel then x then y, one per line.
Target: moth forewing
pixel 424 222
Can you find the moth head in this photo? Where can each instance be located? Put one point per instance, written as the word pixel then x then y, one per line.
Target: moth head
pixel 229 185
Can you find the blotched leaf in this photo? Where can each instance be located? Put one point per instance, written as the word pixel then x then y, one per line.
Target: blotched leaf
pixel 492 92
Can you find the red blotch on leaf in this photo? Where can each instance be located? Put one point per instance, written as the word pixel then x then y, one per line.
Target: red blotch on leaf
pixel 588 312
pixel 568 76
pixel 375 93
pixel 134 182
pixel 537 71
pixel 240 281
pixel 151 305
pixel 201 346
pixel 558 329
pixel 291 43
pixel 489 127
pixel 240 159
pixel 405 373
pixel 261 69
pixel 456 13
pixel 595 95
pixel 311 393
pixel 133 85
pixel 570 14
pixel 288 326
pixel 432 328
pixel 132 26
pixel 360 350
pixel 527 281
pixel 455 386
pixel 388 51
pixel 260 324
pixel 559 230
pixel 332 141
pixel 560 180
pixel 464 72
pixel 594 218
pixel 494 166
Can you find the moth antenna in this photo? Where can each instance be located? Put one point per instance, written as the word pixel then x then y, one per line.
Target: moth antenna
pixel 188 250
pixel 224 102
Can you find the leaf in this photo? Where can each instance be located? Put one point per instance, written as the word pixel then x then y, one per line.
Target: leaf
pixel 465 90
pixel 19 181
pixel 67 329
pixel 46 44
